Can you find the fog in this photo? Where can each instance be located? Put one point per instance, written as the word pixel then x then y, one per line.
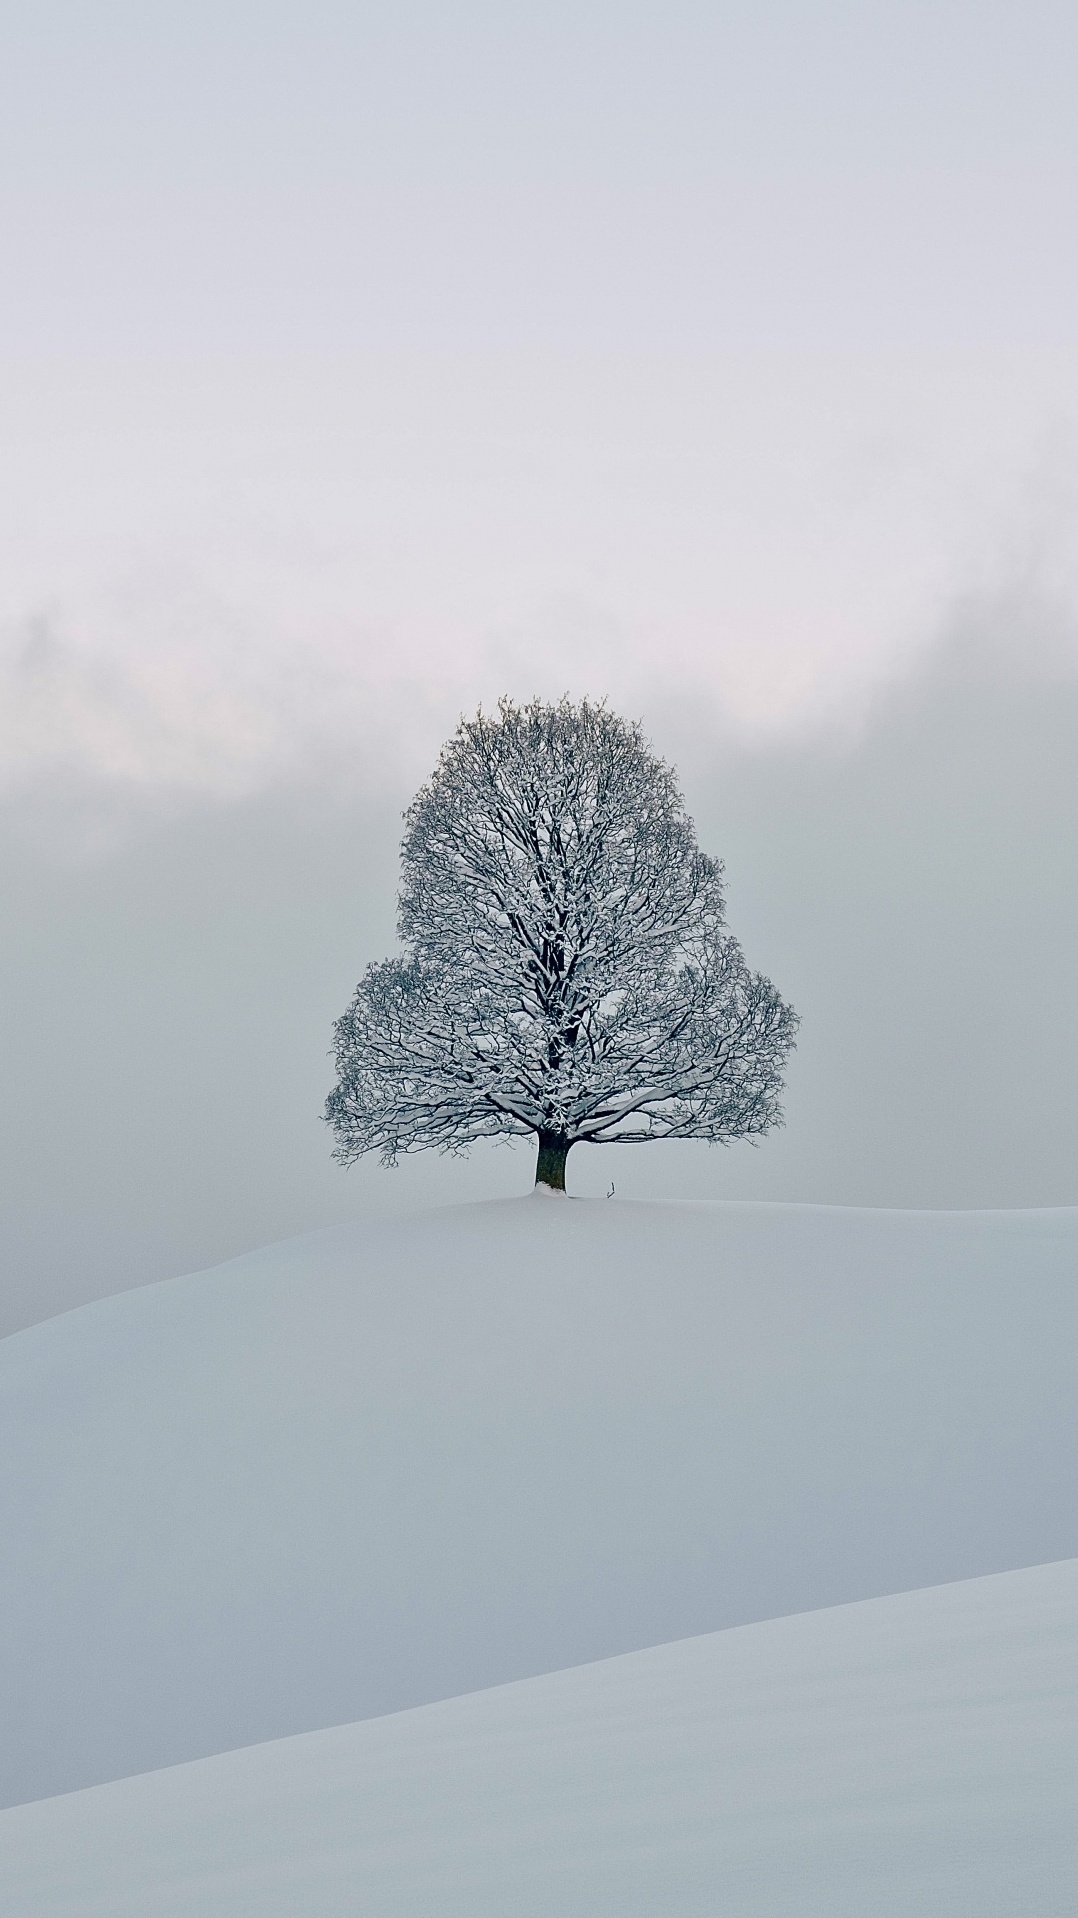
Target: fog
pixel 909 881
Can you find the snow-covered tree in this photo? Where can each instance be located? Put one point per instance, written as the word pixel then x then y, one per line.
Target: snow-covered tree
pixel 566 967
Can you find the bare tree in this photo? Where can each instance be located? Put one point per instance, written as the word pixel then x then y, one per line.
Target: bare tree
pixel 566 968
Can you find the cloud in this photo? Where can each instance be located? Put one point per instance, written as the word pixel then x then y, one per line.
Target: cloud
pixel 168 692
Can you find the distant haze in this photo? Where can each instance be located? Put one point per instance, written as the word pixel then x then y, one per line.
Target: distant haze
pixel 358 365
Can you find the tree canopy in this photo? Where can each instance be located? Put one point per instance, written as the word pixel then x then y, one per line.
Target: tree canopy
pixel 566 968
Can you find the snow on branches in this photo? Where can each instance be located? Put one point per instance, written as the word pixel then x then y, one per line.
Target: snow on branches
pixel 566 967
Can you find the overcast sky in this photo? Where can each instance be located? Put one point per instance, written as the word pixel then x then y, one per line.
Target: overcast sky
pixel 357 363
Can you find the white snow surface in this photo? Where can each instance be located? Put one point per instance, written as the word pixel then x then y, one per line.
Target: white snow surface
pixel 392 1463
pixel 915 1755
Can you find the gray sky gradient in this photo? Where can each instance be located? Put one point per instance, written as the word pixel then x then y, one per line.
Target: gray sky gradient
pixel 359 364
pixel 358 347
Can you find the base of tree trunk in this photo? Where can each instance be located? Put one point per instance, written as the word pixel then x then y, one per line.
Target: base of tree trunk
pixel 550 1165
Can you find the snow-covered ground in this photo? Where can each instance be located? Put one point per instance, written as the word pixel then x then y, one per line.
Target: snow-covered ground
pixel 914 1755
pixel 391 1463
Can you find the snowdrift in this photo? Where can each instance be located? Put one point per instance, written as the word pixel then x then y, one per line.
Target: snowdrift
pixel 390 1463
pixel 905 1756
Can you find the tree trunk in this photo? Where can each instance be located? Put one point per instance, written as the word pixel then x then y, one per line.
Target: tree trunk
pixel 550 1165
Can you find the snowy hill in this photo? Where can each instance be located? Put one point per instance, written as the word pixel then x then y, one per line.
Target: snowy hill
pixel 390 1463
pixel 905 1756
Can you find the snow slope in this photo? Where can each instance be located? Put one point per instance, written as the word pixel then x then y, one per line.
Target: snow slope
pixel 913 1755
pixel 394 1462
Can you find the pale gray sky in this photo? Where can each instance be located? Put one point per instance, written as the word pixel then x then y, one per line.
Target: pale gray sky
pixel 360 362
